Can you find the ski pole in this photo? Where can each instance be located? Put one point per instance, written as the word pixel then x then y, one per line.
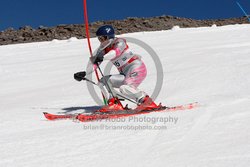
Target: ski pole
pixel 110 88
pixel 86 79
pixel 117 94
pixel 127 99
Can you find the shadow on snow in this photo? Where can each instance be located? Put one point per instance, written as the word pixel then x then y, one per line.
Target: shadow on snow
pixel 87 109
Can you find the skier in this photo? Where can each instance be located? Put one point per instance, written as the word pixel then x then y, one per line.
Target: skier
pixel 132 71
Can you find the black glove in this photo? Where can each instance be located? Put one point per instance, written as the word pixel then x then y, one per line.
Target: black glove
pixel 96 59
pixel 80 75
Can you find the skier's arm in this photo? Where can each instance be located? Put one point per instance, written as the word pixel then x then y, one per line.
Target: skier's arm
pixel 110 55
pixel 119 48
pixel 94 60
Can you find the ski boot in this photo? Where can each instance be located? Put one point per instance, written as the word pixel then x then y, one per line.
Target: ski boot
pixel 114 105
pixel 147 104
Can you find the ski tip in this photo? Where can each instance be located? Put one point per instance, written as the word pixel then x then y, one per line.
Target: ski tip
pixel 45 113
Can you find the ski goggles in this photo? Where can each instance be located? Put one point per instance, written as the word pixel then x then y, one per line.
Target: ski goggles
pixel 102 38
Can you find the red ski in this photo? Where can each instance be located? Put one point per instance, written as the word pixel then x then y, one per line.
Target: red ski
pixel 116 114
pixel 127 113
pixel 52 117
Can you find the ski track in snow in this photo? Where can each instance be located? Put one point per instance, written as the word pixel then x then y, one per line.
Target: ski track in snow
pixel 210 65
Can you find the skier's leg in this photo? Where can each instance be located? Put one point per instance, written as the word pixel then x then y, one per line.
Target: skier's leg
pixel 109 82
pixel 104 90
pixel 132 92
pixel 116 80
pixel 144 101
pixel 134 77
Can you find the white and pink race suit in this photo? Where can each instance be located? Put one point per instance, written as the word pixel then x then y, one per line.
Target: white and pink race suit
pixel 132 70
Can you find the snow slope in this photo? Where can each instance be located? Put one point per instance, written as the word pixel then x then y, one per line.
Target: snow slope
pixel 210 65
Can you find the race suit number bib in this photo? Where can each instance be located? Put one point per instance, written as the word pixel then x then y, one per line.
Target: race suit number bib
pixel 123 59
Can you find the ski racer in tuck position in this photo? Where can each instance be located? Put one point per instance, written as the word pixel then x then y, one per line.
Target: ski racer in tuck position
pixel 130 66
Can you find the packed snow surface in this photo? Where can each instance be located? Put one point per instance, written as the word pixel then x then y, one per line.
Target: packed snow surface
pixel 209 65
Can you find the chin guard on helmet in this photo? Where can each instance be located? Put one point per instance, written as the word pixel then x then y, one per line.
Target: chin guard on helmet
pixel 106 44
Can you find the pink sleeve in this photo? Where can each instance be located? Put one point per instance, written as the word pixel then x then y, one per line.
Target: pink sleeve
pixel 120 47
pixel 117 51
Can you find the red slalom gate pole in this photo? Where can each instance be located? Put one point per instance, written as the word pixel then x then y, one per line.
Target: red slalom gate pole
pixel 88 39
